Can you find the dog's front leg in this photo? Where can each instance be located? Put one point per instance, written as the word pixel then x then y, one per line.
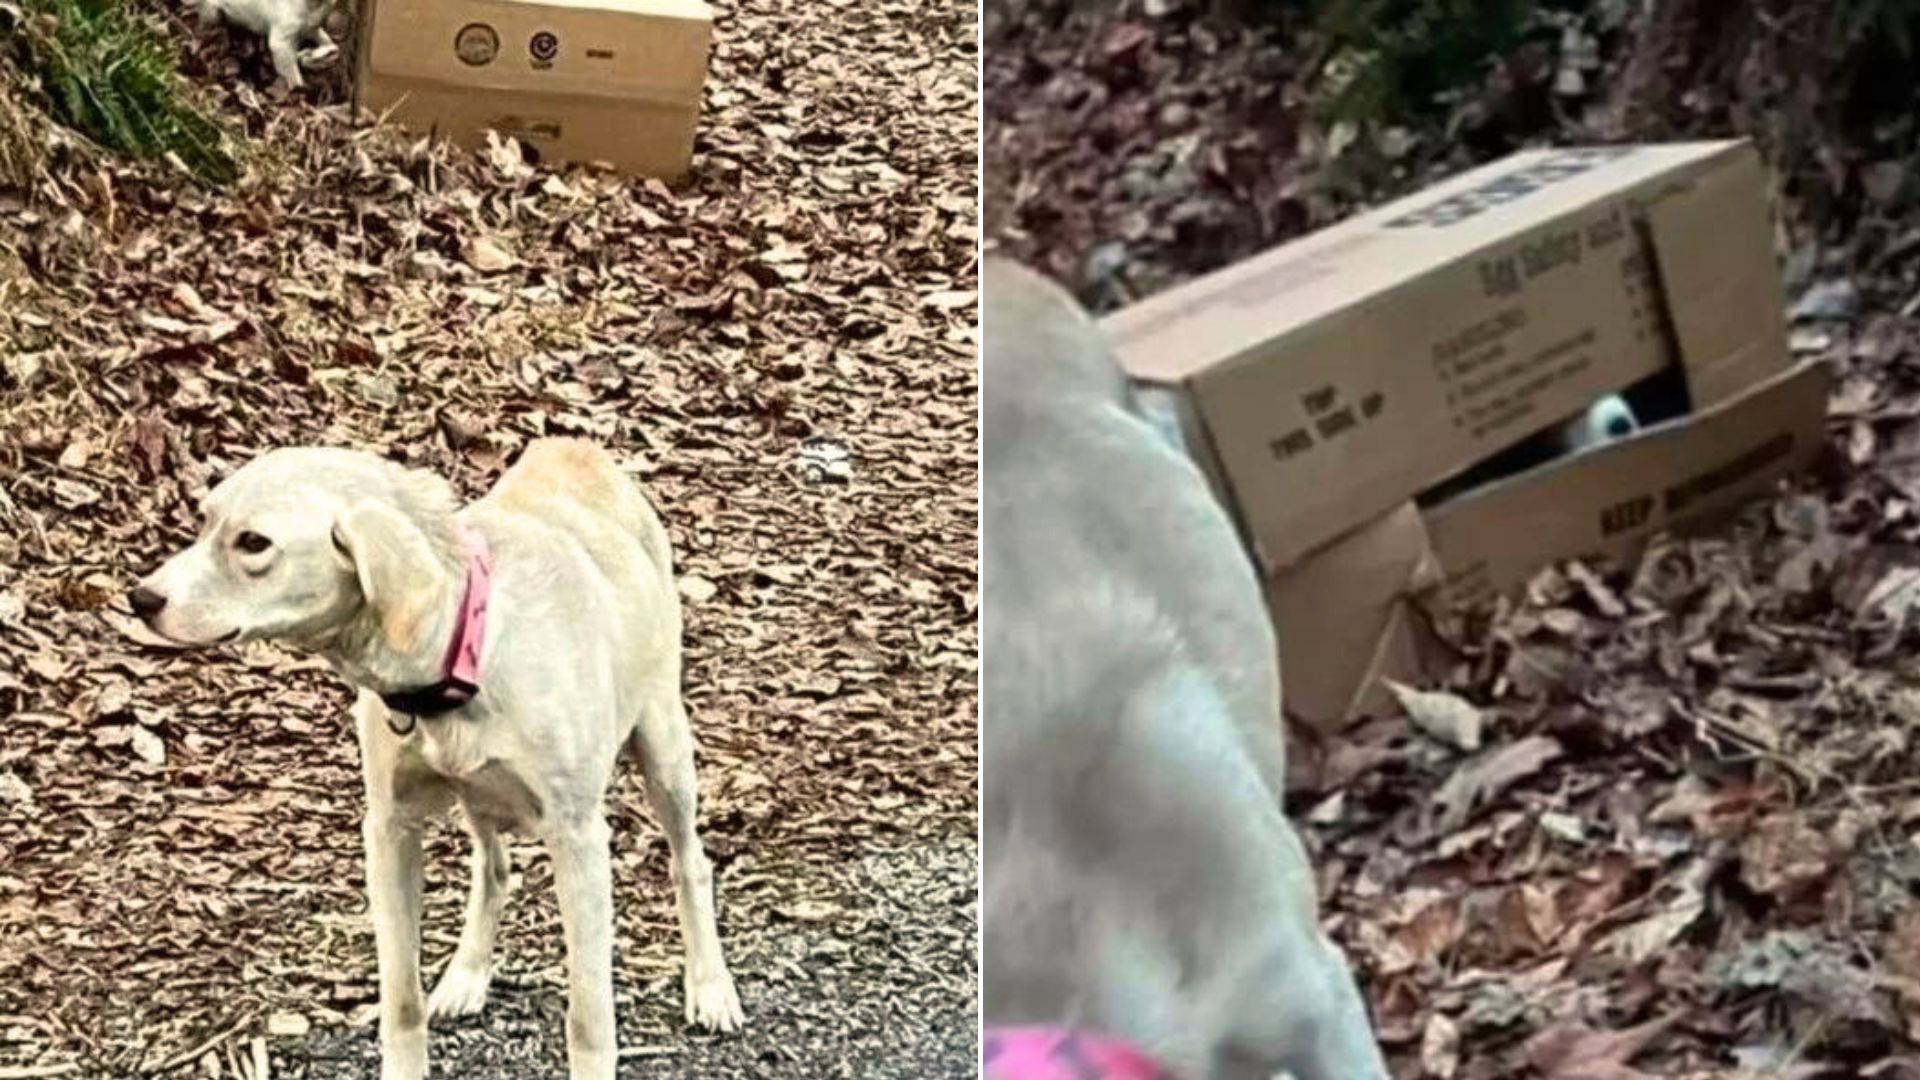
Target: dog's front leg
pixel 393 897
pixel 284 43
pixel 583 877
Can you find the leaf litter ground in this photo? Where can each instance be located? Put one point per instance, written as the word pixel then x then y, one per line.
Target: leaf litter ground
pixel 782 347
pixel 1660 819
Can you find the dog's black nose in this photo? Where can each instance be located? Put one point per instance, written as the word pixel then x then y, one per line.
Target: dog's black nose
pixel 145 602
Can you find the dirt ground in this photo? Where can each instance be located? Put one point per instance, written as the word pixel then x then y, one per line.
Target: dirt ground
pixel 1688 847
pixel 781 348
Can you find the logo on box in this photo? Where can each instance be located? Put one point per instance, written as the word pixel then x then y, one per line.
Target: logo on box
pixel 543 47
pixel 476 44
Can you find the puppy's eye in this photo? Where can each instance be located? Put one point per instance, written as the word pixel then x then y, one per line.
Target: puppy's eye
pixel 252 543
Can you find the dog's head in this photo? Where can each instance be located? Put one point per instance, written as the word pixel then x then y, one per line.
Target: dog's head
pixel 297 543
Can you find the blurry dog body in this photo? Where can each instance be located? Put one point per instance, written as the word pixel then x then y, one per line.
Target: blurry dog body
pixel 286 24
pixel 355 558
pixel 1140 876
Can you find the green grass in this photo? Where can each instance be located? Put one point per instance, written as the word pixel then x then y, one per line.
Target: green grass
pixel 108 74
pixel 1400 56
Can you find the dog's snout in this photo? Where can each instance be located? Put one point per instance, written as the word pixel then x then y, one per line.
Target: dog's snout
pixel 145 602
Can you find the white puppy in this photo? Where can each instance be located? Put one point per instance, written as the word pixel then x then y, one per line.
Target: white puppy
pixel 1140 877
pixel 287 24
pixel 528 638
pixel 1606 420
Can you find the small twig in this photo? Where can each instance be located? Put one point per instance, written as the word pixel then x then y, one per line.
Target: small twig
pixel 1799 1050
pixel 186 1057
pixel 34 1072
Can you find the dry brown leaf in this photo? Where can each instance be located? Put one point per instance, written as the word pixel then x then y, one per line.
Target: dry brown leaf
pixel 1577 1052
pixel 1479 779
pixel 1785 854
pixel 1445 716
pixel 149 746
pixel 1440 1047
pixel 488 255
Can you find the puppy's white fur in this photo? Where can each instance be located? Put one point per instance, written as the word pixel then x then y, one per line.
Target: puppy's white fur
pixel 1606 420
pixel 286 24
pixel 581 658
pixel 1140 877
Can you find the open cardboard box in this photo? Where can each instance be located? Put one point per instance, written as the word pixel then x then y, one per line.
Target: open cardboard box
pixel 616 81
pixel 1324 386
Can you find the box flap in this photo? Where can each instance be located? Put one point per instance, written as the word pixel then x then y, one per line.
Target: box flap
pixel 1720 280
pixel 1346 614
pixel 1343 620
pixel 1610 500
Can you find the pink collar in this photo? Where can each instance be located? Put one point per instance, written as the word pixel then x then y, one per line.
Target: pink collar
pixel 1049 1053
pixel 461 680
pixel 470 628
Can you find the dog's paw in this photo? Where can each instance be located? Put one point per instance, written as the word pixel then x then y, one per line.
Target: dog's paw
pixel 320 56
pixel 712 1002
pixel 461 991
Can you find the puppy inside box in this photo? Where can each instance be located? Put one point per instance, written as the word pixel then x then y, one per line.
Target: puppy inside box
pixel 1655 399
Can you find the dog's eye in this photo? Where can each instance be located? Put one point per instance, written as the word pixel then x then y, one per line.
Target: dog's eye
pixel 252 543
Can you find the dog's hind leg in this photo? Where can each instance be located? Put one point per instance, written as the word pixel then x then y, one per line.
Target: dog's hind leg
pixel 665 743
pixel 583 877
pixel 462 988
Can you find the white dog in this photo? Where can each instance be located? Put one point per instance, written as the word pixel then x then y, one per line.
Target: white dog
pixel 287 24
pixel 1141 880
pixel 504 653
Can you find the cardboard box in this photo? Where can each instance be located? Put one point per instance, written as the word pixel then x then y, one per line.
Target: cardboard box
pixel 1323 385
pixel 617 81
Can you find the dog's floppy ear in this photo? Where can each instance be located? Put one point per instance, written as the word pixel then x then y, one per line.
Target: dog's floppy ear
pixel 394 561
